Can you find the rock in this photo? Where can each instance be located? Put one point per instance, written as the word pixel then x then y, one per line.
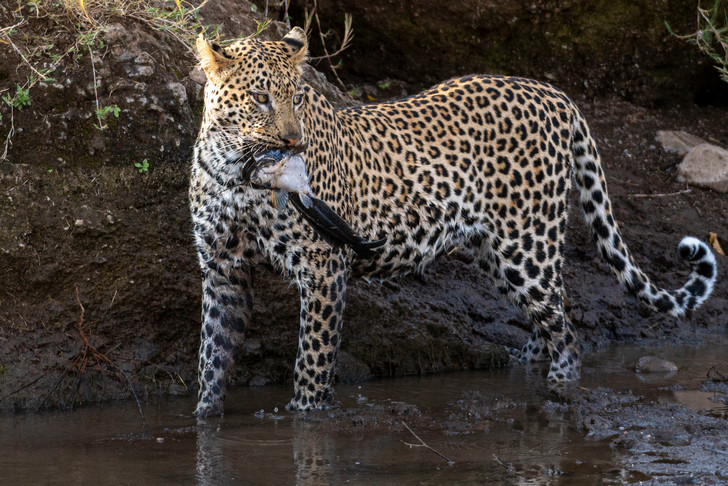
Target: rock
pixel 198 75
pixel 671 435
pixel 706 166
pixel 653 364
pixel 179 93
pixel 96 143
pixel 678 141
pixel 349 369
pixel 596 426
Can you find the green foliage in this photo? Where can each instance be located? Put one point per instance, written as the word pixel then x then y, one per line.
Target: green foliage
pixel 143 166
pixel 104 111
pixel 20 99
pixel 711 35
pixel 261 26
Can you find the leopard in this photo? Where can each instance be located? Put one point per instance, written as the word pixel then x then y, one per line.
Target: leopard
pixel 480 163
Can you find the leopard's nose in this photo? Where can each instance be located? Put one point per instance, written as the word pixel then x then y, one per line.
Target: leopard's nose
pixel 291 139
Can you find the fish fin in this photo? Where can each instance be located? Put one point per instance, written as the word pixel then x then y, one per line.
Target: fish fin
pixel 279 198
pixel 305 200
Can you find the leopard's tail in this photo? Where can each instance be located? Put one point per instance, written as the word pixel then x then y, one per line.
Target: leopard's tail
pixel 597 208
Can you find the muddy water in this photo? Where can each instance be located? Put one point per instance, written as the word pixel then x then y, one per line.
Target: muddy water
pixel 501 427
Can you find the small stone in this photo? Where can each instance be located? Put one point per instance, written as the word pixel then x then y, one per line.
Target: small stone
pixel 653 364
pixel 706 166
pixel 178 92
pixel 97 143
pixel 177 389
pixel 678 141
pixel 198 75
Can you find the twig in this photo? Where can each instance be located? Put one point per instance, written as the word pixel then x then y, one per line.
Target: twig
pixel 715 375
pixel 81 361
pixel 684 191
pixel 42 76
pixel 509 467
pixel 423 444
pixel 96 94
pixel 285 14
pixel 23 387
pixel 344 43
pixel 11 132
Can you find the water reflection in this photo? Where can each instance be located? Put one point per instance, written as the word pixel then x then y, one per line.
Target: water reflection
pixel 313 456
pixel 491 437
pixel 209 455
pixel 500 427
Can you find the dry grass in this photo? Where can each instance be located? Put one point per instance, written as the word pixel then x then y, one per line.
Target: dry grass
pixel 83 22
pixel 179 18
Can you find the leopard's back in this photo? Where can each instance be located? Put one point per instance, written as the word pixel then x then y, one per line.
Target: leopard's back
pixel 474 156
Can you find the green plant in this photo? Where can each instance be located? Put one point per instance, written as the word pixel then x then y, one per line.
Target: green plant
pixel 20 99
pixel 103 112
pixel 143 166
pixel 261 26
pixel 711 35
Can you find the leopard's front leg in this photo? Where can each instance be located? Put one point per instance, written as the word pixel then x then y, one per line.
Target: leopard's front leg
pixel 323 296
pixel 227 301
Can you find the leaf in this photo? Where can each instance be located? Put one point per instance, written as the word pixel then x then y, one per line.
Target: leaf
pixel 716 244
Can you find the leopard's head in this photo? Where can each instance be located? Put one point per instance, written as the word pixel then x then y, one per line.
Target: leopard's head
pixel 253 97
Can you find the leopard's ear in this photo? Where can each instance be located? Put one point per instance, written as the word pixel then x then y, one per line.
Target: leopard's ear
pixel 296 45
pixel 213 61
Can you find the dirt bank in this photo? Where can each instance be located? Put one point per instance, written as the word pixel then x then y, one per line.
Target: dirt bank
pixel 105 212
pixel 598 48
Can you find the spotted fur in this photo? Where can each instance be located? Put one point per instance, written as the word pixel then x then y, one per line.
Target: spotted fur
pixel 481 162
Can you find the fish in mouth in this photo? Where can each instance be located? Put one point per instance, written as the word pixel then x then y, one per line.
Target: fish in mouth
pixel 285 175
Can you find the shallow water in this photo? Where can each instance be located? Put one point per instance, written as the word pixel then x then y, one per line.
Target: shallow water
pixel 257 442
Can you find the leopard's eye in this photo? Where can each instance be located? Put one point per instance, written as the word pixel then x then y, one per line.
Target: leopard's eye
pixel 261 98
pixel 297 99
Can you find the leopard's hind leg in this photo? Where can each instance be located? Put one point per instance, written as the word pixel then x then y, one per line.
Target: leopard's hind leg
pixel 538 290
pixel 535 349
